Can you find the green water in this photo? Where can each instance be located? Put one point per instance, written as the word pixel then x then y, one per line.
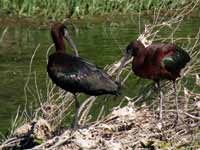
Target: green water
pixel 101 44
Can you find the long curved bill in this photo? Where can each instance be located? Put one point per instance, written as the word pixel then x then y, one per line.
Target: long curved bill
pixel 71 42
pixel 123 62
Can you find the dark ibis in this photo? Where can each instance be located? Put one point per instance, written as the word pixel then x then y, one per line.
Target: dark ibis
pixel 156 62
pixel 75 74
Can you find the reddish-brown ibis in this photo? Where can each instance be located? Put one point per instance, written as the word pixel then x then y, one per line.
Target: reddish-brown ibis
pixel 75 74
pixel 157 62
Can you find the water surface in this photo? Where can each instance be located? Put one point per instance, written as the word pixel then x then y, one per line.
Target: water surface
pixel 102 44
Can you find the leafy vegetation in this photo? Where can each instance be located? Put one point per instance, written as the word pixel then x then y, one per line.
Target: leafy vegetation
pixel 67 8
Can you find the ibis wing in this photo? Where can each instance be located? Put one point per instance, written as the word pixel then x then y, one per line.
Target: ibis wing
pixel 176 60
pixel 95 79
pixel 82 76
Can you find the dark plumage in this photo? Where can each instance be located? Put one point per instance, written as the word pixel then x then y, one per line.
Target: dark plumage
pixel 157 62
pixel 73 73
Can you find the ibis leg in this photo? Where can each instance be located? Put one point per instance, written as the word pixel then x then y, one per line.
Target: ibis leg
pixel 77 106
pixel 161 102
pixel 176 102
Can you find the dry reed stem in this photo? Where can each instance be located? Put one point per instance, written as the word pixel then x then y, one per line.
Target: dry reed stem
pixel 3 34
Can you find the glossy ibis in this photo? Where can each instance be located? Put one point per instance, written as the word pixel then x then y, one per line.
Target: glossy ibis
pixel 75 74
pixel 157 62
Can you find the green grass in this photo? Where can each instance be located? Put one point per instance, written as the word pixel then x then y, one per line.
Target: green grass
pixel 54 9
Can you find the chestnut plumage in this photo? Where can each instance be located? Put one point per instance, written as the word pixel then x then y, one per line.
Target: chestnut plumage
pixel 156 62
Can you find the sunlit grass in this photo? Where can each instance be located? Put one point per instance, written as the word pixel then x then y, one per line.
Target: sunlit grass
pixel 55 9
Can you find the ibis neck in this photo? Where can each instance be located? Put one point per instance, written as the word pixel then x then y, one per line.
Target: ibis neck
pixel 59 44
pixel 58 41
pixel 140 49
